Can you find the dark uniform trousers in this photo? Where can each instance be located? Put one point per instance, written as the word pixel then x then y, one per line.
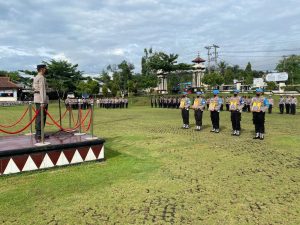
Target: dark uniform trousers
pixel 287 108
pixel 259 122
pixel 281 108
pixel 293 109
pixel 227 107
pixel 270 109
pixel 185 116
pixel 236 117
pixel 198 117
pixel 215 119
pixel 38 119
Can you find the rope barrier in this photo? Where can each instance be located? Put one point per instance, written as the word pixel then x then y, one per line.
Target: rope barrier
pixel 89 125
pixel 70 129
pixel 18 121
pixel 19 131
pixel 74 119
pixel 78 123
pixel 63 116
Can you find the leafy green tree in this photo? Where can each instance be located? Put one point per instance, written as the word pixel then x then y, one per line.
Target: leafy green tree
pixel 213 79
pixel 148 78
pixel 63 76
pixel 222 67
pixel 105 90
pixel 228 75
pixel 162 61
pixel 105 78
pixel 271 86
pixel 291 65
pixel 89 86
pixel 248 74
pixel 125 75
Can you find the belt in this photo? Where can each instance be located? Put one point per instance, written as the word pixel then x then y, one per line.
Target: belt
pixel 36 92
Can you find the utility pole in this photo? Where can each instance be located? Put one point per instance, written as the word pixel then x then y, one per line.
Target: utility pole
pixel 216 54
pixel 208 57
pixel 215 59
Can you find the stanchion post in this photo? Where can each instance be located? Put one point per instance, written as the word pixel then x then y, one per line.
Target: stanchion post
pixel 30 118
pixel 42 123
pixel 92 123
pixel 70 114
pixel 30 115
pixel 92 119
pixel 79 115
pixel 79 118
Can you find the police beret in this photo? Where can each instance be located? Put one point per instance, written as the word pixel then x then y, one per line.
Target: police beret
pixel 216 92
pixel 41 66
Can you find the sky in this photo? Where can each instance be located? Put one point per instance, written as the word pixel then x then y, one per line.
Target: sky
pixel 96 33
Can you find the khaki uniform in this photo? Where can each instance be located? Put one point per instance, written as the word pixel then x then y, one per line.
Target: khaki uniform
pixel 39 86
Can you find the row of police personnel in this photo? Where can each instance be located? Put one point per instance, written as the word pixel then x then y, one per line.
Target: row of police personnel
pixel 258 106
pixel 112 103
pixel 289 103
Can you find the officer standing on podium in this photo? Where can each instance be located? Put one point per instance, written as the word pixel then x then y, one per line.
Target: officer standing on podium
pixel 40 97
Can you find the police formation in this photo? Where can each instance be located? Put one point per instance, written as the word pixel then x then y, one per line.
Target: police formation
pixel 112 103
pixel 289 103
pixel 236 104
pixel 165 102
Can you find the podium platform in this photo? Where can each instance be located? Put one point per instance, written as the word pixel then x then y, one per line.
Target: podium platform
pixel 19 153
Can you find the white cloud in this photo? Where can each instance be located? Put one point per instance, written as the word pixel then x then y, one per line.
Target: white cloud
pixel 97 33
pixel 9 51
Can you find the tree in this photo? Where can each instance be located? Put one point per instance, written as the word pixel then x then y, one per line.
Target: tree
pixel 213 79
pixel 222 67
pixel 148 77
pixel 271 86
pixel 162 61
pixel 248 74
pixel 105 78
pixel 89 86
pixel 125 75
pixel 105 90
pixel 63 76
pixel 228 75
pixel 291 65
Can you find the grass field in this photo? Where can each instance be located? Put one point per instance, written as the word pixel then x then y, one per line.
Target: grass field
pixel 157 173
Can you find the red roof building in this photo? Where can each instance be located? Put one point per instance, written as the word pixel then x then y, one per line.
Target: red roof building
pixel 5 84
pixel 198 60
pixel 8 90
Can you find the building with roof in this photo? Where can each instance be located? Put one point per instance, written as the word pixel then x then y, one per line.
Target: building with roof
pixel 198 72
pixel 8 90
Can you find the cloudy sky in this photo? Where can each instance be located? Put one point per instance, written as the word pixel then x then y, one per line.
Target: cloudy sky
pixel 95 33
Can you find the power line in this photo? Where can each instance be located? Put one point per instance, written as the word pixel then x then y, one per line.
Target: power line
pixel 250 56
pixel 251 51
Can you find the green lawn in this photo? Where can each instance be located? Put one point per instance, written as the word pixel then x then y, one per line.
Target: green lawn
pixel 157 173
